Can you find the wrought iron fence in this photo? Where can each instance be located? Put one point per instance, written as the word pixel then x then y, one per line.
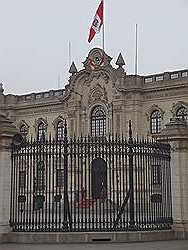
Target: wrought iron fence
pixel 91 184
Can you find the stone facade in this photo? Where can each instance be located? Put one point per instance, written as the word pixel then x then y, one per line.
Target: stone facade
pixel 7 130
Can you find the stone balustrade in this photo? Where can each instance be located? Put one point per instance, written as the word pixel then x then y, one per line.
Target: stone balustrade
pixel 175 75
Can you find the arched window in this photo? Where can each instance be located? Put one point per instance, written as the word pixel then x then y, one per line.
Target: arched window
pixel 60 130
pixel 24 130
pixel 182 113
pixel 155 122
pixel 98 121
pixel 41 132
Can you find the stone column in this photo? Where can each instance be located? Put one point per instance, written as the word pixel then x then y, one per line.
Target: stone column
pixel 7 130
pixel 176 133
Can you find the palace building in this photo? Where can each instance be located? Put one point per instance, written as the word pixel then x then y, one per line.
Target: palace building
pixel 87 160
pixel 100 100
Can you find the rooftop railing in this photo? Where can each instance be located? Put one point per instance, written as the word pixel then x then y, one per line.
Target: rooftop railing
pixel 166 76
pixel 42 95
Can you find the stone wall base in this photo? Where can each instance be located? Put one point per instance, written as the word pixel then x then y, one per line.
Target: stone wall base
pixel 180 226
pixel 97 237
pixel 181 230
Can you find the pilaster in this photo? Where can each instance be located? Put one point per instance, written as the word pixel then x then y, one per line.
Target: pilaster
pixel 176 133
pixel 7 130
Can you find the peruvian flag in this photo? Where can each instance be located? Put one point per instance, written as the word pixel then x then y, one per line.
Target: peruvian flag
pixel 97 22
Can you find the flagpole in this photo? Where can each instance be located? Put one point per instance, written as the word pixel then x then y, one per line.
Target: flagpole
pixel 59 81
pixel 69 54
pixel 103 29
pixel 136 50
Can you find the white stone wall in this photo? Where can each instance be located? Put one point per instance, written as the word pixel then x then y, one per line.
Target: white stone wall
pixel 176 133
pixel 5 183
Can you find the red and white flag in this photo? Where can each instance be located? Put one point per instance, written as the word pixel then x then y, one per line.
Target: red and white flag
pixel 97 22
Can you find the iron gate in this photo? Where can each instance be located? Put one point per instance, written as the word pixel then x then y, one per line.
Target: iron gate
pixel 91 184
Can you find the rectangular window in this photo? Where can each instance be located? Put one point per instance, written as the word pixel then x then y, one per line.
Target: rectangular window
pixel 38 96
pixel 46 94
pixel 57 93
pixel 40 178
pixel 60 178
pixel 184 74
pixel 156 175
pixel 22 179
pixel 159 78
pixel 148 80
pixel 28 97
pixel 40 181
pixel 174 76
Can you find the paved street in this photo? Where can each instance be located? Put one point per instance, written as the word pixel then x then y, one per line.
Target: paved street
pixel 160 245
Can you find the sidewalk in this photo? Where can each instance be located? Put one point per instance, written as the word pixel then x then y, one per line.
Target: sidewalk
pixel 159 245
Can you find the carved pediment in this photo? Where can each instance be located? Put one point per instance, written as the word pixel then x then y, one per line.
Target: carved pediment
pixel 96 59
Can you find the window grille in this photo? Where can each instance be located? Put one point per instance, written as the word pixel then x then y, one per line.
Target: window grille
pixel 59 178
pixel 41 132
pixel 23 131
pixel 182 113
pixel 155 122
pixel 98 121
pixel 60 130
pixel 40 179
pixel 22 179
pixel 156 175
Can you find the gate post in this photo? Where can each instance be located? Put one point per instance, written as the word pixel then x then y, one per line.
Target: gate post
pixel 131 179
pixel 7 130
pixel 66 200
pixel 176 133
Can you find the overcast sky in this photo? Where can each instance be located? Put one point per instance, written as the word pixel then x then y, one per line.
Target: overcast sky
pixel 35 35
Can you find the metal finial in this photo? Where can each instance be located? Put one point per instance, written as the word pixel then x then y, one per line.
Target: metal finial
pixel 120 61
pixel 73 70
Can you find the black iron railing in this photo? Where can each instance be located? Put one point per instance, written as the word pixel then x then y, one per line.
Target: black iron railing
pixel 91 184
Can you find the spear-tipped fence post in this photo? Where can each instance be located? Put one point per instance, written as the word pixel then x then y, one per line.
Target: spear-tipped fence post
pixel 66 201
pixel 131 178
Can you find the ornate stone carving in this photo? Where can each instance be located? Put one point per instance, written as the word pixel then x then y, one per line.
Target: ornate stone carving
pixel 178 105
pixel 98 93
pixel 96 59
pixel 96 75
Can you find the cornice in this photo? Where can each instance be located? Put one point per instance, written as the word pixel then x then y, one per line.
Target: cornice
pixel 151 90
pixel 166 88
pixel 42 105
